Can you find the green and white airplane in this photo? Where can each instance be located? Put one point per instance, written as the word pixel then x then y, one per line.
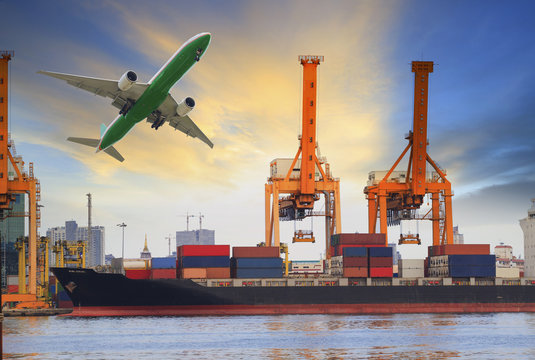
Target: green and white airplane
pixel 139 101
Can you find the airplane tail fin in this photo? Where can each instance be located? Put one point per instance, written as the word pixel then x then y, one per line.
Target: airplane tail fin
pixel 94 143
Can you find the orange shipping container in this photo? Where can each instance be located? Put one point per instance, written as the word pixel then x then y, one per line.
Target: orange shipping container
pixel 459 249
pixel 163 274
pixel 356 272
pixel 218 273
pixel 193 273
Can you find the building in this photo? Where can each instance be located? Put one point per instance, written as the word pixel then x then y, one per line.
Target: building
pixel 145 254
pixel 195 237
pixel 11 228
pixel 72 232
pixel 457 238
pixel 108 258
pixel 528 227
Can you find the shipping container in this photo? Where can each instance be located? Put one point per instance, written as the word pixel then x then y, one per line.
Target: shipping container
pixel 255 252
pixel 355 262
pixel 380 251
pixel 511 272
pixel 459 249
pixel 14 279
pixel 256 262
pixel 358 239
pixel 252 273
pixel 163 273
pixel 382 272
pixel 355 251
pixel 163 262
pixel 218 273
pixel 337 262
pixel 306 267
pixel 468 260
pixel 355 272
pixel 203 250
pixel 119 264
pixel 411 264
pixel 12 289
pixel 192 273
pixel 203 261
pixel 137 273
pixel 472 271
pixel 381 262
pixel 411 272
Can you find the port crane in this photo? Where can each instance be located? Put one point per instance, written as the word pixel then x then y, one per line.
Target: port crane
pixel 303 179
pixel 14 180
pixel 394 196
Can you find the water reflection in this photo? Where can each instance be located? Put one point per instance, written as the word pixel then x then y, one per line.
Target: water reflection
pixel 406 336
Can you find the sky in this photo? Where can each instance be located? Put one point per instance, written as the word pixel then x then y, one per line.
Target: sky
pixel 247 88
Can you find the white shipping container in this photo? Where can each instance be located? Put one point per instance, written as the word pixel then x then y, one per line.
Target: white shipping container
pixel 411 264
pixel 438 261
pixel 337 262
pixel 411 273
pixel 511 272
pixel 130 264
pixel 12 279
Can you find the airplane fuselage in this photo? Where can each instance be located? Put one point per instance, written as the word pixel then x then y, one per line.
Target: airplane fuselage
pixel 157 91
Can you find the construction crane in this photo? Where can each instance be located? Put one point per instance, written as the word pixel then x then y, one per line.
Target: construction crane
pixel 13 180
pixel 394 196
pixel 305 177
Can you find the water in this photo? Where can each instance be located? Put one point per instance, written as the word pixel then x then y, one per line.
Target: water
pixel 403 336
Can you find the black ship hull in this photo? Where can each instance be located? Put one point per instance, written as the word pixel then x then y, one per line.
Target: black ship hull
pixel 97 294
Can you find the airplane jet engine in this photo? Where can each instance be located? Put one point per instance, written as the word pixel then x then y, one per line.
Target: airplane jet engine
pixel 126 81
pixel 185 106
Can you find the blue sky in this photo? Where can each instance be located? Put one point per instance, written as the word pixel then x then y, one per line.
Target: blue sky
pixel 247 89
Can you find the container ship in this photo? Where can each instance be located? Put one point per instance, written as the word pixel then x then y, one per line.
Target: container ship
pixel 357 279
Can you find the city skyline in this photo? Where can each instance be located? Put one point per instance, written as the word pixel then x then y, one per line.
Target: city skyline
pixel 248 92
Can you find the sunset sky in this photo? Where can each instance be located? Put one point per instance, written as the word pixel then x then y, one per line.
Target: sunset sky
pixel 248 92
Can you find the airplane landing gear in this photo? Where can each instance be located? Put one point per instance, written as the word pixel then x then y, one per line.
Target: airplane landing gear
pixel 198 54
pixel 158 122
pixel 127 106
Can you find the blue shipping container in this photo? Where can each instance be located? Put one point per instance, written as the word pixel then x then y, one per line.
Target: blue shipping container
pixel 380 251
pixel 472 271
pixel 253 273
pixel 258 263
pixel 204 261
pixel 355 252
pixel 476 260
pixel 163 263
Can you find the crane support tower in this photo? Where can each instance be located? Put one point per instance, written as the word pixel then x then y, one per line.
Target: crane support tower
pixel 396 195
pixel 14 180
pixel 305 177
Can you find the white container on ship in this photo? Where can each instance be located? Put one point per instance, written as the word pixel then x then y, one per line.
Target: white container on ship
pixel 507 272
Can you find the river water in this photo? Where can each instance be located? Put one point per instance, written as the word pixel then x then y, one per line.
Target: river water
pixel 404 336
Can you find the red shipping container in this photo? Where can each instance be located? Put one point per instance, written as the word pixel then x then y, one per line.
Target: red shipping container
pixel 459 249
pixel 333 251
pixel 255 251
pixel 382 272
pixel 203 250
pixel 137 273
pixel 163 274
pixel 381 262
pixel 356 272
pixel 12 289
pixel 218 273
pixel 355 261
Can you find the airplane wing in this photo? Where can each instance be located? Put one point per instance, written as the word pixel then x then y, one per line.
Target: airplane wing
pixel 182 123
pixel 101 87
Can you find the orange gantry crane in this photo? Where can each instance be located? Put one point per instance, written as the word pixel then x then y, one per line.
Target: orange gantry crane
pixel 396 195
pixel 13 180
pixel 305 177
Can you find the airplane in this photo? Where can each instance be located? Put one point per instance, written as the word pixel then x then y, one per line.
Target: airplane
pixel 138 101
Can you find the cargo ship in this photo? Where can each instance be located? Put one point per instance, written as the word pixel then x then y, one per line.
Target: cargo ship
pixel 332 292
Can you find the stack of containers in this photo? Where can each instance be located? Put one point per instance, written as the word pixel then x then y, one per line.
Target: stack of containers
pixel 380 262
pixel 163 268
pixel 463 266
pixel 203 262
pixel 355 262
pixel 411 268
pixel 341 241
pixel 256 262
pixel 461 260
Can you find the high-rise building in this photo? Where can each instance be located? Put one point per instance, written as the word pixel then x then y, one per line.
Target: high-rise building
pixel 195 237
pixel 528 227
pixel 11 228
pixel 94 247
pixel 457 238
